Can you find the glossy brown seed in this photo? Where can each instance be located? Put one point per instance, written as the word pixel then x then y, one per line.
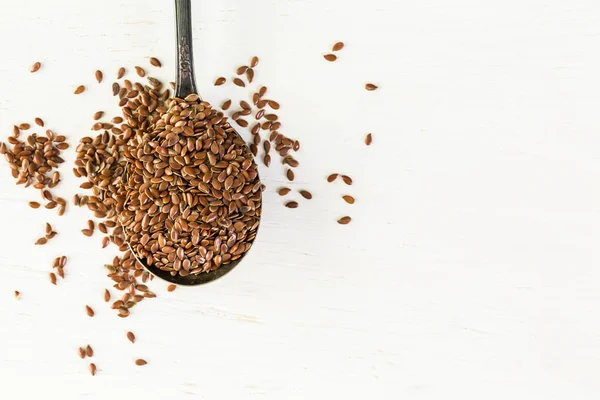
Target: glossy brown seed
pixel 291 204
pixel 306 194
pixel 155 62
pixel 34 204
pixel 349 199
pixel 106 295
pixel 338 46
pixel 115 88
pixel 273 104
pixel 81 352
pixel 41 241
pixel 226 104
pixel 290 174
pixel 332 177
pixel 347 180
pixel 239 82
pixel 171 288
pixel 221 80
pixel 17 294
pixel 93 369
pixel 52 278
pixel 140 362
pixel 87 232
pixel 80 89
pixel 242 122
pixel 98 115
pixel 330 57
pixel 344 220
pixel 24 126
pixel 131 337
pixel 39 121
pixel 267 146
pixel 283 191
pixel 262 91
pixel 121 73
pixel 48 228
pixel 89 351
pixel 36 67
pixel 241 70
pixel 250 75
pixel 89 311
pixel 140 71
pixel 255 128
pixel 260 114
pixel 267 160
pixel 371 86
pixel 296 145
pixel 98 74
pixel 368 139
pixel 244 104
pixel 254 62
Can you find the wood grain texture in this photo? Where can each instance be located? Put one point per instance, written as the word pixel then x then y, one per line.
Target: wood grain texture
pixel 469 269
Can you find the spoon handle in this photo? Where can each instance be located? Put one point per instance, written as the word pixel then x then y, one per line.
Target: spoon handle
pixel 186 82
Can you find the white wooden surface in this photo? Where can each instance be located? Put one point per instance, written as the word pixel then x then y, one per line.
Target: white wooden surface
pixel 470 270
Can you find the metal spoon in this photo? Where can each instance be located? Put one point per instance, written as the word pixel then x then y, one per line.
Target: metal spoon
pixel 186 85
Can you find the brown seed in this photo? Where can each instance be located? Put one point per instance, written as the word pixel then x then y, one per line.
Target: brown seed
pixel 98 115
pixel 338 46
pixel 89 351
pixel 140 362
pixel 34 204
pixel 241 70
pixel 250 75
pixel 81 351
pixel 36 66
pixel 291 204
pixel 80 89
pixel 140 71
pixel 242 122
pixel 349 199
pixel 347 180
pixel 131 337
pixel 254 62
pixel 368 139
pixel 93 369
pixel 171 288
pixel 239 82
pixel 17 294
pixel 274 105
pixel 290 174
pixel 98 75
pixel 330 57
pixel 306 194
pixel 267 160
pixel 87 232
pixel 262 91
pixel 24 126
pixel 332 177
pixel 39 121
pixel 121 73
pixel 371 87
pixel 106 295
pixel 41 241
pixel 221 80
pixel 244 104
pixel 155 62
pixel 260 114
pixel 52 278
pixel 226 104
pixel 344 220
pixel 115 88
pixel 296 145
pixel 48 228
pixel 283 191
pixel 89 311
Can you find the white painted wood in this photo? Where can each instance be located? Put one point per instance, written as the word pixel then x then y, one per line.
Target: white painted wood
pixel 470 270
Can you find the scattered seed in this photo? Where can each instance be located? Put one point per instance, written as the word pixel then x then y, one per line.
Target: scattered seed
pixel 171 288
pixel 332 177
pixel 371 87
pixel 140 71
pixel 17 294
pixel 39 121
pixel 344 220
pixel 80 89
pixel 89 351
pixel 283 191
pixel 226 104
pixel 24 126
pixel 330 57
pixel 349 199
pixel 121 73
pixel 131 337
pixel 262 91
pixel 250 75
pixel 221 80
pixel 34 204
pixel 36 66
pixel 267 160
pixel 89 311
pixel 81 352
pixel 290 174
pixel 106 295
pixel 52 278
pixel 140 362
pixel 238 82
pixel 98 115
pixel 254 62
pixel 241 70
pixel 93 369
pixel 242 122
pixel 306 194
pixel 41 241
pixel 87 232
pixel 291 204
pixel 274 105
pixel 99 76
pixel 347 180
pixel 155 62
pixel 338 46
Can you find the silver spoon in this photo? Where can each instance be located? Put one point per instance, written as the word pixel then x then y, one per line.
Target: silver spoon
pixel 186 85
